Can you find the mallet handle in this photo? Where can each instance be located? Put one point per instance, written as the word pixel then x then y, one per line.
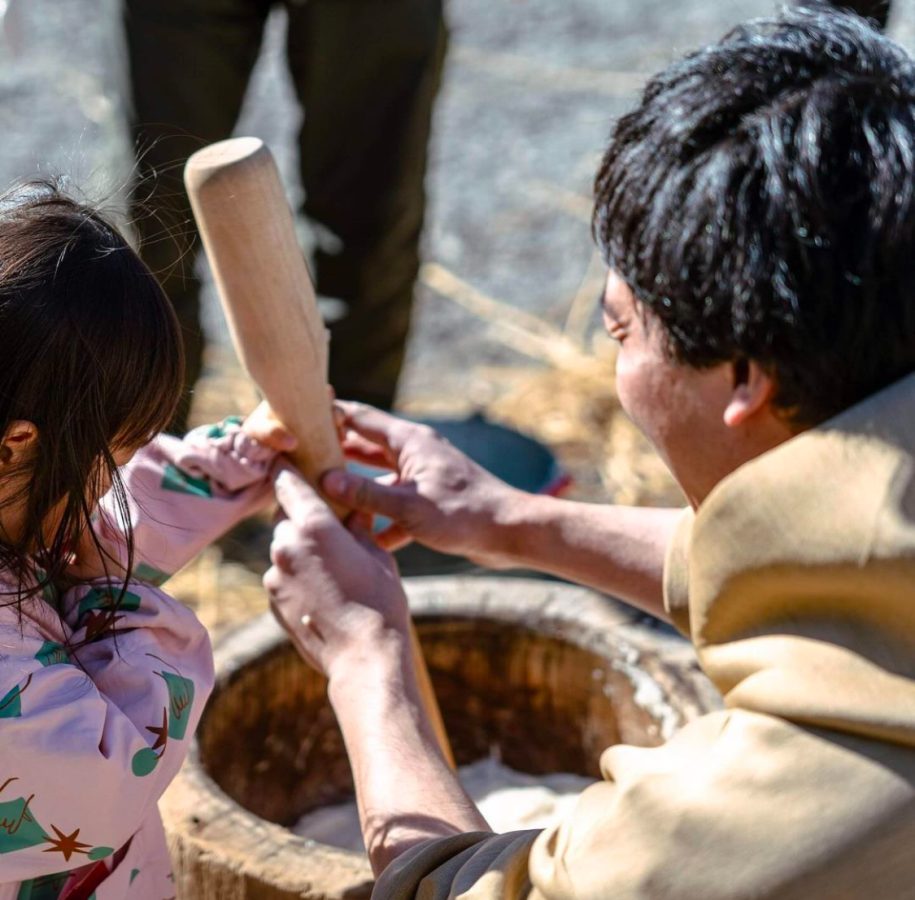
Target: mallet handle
pixel 249 236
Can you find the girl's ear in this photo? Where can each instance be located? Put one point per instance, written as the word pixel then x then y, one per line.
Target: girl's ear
pixel 752 392
pixel 18 442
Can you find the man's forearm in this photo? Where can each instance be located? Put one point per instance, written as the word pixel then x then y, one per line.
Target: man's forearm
pixel 405 791
pixel 619 550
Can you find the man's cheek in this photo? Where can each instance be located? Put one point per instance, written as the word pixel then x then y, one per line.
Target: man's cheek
pixel 630 387
pixel 643 395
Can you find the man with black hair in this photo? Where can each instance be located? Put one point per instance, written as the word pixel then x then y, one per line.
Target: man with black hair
pixel 757 215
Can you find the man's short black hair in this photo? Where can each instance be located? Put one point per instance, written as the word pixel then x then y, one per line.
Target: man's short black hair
pixel 760 204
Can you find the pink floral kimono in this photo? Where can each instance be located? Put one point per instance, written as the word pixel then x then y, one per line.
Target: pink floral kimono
pixel 90 738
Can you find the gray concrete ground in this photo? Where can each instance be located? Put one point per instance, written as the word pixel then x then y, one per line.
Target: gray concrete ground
pixel 530 91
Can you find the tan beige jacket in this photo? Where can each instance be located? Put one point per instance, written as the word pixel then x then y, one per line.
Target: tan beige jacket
pixel 796 583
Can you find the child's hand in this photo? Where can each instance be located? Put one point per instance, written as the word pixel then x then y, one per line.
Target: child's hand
pixel 267 429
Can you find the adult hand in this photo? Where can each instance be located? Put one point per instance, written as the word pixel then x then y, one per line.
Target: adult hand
pixel 337 594
pixel 435 494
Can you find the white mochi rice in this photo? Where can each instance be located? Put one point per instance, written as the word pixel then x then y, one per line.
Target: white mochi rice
pixel 508 800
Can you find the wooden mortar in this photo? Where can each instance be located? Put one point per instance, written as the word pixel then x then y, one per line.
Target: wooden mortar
pixel 548 673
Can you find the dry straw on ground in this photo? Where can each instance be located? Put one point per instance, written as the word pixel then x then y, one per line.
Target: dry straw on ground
pixel 566 396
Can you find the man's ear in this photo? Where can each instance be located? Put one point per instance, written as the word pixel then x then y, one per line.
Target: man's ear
pixel 18 442
pixel 752 392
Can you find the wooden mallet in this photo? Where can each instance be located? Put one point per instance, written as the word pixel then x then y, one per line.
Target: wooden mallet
pixel 249 236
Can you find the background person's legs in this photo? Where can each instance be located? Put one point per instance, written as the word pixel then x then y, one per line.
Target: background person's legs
pixel 877 10
pixel 366 73
pixel 190 61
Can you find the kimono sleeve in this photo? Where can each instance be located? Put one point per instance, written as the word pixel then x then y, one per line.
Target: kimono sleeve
pixel 90 739
pixel 184 494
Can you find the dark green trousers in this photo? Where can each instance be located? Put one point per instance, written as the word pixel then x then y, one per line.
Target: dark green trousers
pixel 878 10
pixel 366 73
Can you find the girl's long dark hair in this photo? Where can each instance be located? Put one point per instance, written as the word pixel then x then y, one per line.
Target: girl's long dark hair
pixel 90 353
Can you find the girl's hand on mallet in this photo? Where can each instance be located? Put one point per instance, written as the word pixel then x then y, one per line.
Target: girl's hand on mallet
pixel 264 426
pixel 334 591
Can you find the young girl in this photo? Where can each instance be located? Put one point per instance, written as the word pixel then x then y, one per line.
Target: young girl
pixel 102 675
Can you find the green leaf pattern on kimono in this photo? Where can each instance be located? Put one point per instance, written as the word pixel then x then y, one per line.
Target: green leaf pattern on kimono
pixel 181 482
pixel 51 653
pixel 18 828
pixel 10 702
pixel 220 430
pixel 150 574
pixel 45 887
pixel 173 725
pixel 106 598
